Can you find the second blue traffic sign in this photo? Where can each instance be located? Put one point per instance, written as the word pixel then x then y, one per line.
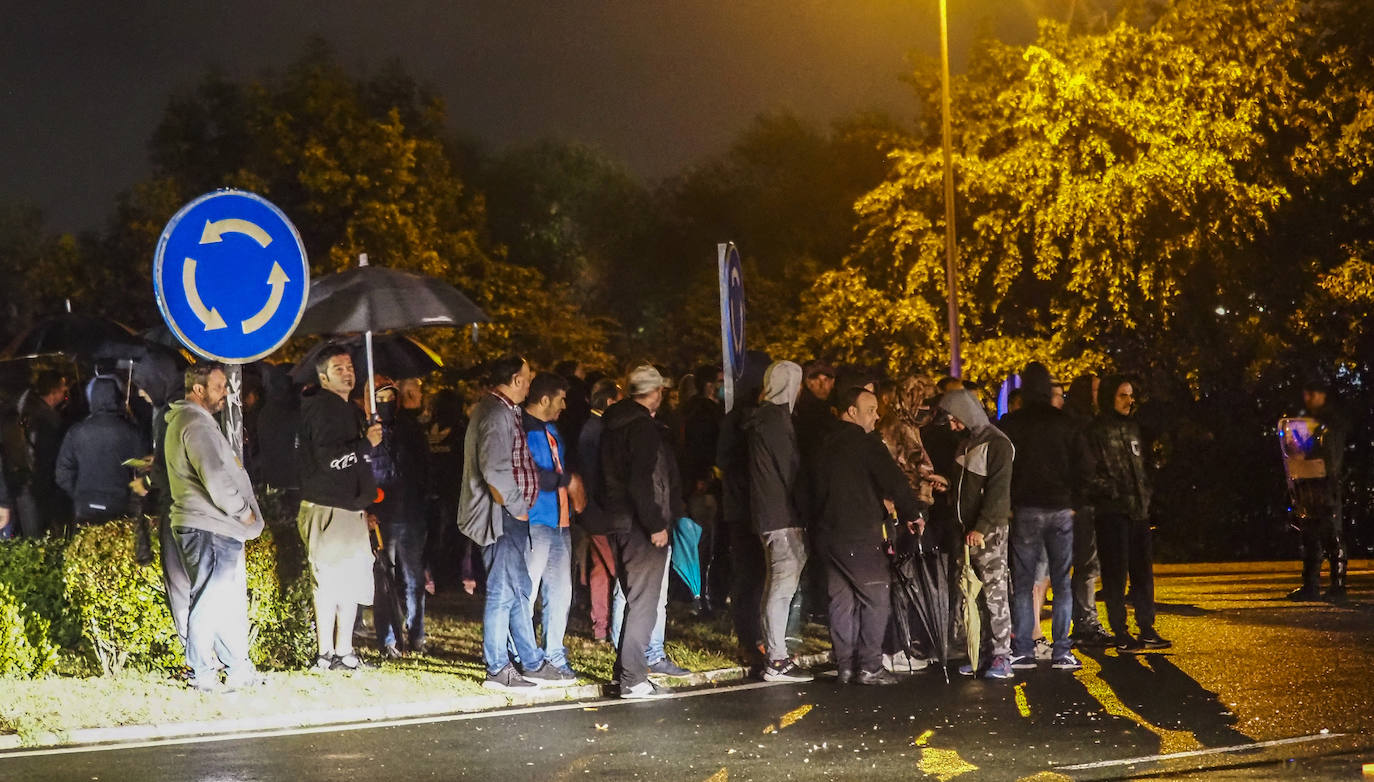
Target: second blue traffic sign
pixel 231 276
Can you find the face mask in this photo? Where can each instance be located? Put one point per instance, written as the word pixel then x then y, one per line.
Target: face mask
pixel 386 412
pixel 720 392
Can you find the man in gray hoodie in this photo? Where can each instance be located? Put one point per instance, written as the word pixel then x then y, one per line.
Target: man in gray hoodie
pixel 213 513
pixel 983 509
pixel 774 473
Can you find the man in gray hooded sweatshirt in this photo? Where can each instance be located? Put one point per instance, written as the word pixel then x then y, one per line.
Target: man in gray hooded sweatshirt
pixel 213 513
pixel 774 469
pixel 982 496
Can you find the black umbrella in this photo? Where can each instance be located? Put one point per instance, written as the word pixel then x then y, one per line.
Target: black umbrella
pixel 375 298
pixel 394 355
pixel 921 578
pixel 72 334
pixel 155 368
pixel 389 608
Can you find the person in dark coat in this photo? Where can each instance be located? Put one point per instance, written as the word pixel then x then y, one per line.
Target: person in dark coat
pixel 1322 529
pixel 601 566
pixel 849 476
pixel 278 421
pixel 575 416
pixel 701 419
pixel 90 463
pixel 399 464
pixel 39 502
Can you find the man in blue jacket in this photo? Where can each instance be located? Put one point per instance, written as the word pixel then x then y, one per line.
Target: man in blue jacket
pixel 550 555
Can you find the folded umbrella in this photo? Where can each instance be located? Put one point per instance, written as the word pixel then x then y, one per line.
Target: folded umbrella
pixel 686 558
pixel 971 586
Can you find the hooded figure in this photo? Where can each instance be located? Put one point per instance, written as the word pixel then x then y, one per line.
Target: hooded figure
pixel 901 433
pixel 90 464
pixel 774 461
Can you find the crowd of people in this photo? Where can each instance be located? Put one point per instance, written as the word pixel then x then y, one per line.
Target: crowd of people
pixel 544 486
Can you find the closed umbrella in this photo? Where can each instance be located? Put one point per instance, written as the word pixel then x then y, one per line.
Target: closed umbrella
pixel 686 558
pixel 374 298
pixel 922 592
pixel 971 586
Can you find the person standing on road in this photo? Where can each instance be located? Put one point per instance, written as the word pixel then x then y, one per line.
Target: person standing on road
pixel 1122 499
pixel 982 503
pixel 1051 468
pixel 1322 532
pixel 642 496
pixel 849 476
pixel 90 464
pixel 774 508
pixel 500 486
pixel 550 554
pixel 213 513
pixel 337 486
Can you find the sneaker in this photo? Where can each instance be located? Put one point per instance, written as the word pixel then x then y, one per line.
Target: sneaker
pixel 351 662
pixel 645 690
pixel 1306 593
pixel 666 667
pixel 390 652
pixel 966 669
pixel 1024 662
pixel 844 675
pixel 324 662
pixel 1096 638
pixel 1153 642
pixel 212 687
pixel 549 674
pixel 1066 662
pixel 1043 650
pixel 1000 669
pixel 785 671
pixel 901 662
pixel 508 679
pixel 1126 644
pixel 566 670
pixel 878 678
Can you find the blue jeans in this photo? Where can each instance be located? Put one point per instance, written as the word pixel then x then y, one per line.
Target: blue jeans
pixel 405 547
pixel 550 567
pixel 506 616
pixel 217 627
pixel 1036 532
pixel 654 652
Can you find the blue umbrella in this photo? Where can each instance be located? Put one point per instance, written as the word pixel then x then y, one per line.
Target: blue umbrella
pixel 686 537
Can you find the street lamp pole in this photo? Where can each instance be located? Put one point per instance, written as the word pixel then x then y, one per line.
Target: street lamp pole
pixel 951 248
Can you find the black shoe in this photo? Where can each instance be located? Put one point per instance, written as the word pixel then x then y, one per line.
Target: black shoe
pixel 666 667
pixel 1336 594
pixel 390 652
pixel 1153 642
pixel 878 678
pixel 844 676
pixel 549 674
pixel 701 607
pixel 1096 638
pixel 1305 593
pixel 508 679
pixel 1125 644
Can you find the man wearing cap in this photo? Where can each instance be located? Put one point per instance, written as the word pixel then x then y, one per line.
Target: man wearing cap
pixel 813 413
pixel 641 495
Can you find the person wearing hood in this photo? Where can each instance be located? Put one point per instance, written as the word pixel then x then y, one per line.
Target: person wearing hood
pixel 982 505
pixel 641 495
pixel 850 477
pixel 774 481
pixel 399 465
pixel 1121 495
pixel 90 463
pixel 337 486
pixel 213 513
pixel 1051 471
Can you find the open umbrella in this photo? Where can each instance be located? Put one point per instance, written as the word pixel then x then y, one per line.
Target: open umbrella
pixel 686 558
pixel 72 334
pixel 155 368
pixel 373 298
pixel 395 355
pixel 970 586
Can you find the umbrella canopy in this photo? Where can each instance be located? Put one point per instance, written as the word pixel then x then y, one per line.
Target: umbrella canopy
pixel 686 558
pixel 971 586
pixel 375 298
pixel 395 355
pixel 157 369
pixel 72 334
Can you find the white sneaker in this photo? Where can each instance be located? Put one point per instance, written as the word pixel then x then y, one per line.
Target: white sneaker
pixel 645 690
pixel 901 662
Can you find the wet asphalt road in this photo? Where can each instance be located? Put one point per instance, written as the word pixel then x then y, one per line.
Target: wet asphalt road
pixel 1246 669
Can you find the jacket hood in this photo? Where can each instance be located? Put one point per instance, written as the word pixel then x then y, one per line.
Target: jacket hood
pixel 1106 395
pixel 1035 383
pixel 624 413
pixel 781 382
pixel 181 408
pixel 103 395
pixel 963 405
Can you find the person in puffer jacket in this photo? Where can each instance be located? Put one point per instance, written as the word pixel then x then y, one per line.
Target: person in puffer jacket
pixel 90 464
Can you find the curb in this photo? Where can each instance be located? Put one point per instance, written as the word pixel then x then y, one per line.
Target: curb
pixel 340 717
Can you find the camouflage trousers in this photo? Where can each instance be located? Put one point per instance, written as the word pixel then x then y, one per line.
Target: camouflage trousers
pixel 994 602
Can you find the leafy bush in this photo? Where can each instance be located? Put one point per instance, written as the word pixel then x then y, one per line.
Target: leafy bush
pixel 25 647
pixel 32 570
pixel 279 609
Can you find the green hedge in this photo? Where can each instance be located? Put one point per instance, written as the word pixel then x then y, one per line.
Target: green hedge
pixel 25 647
pixel 88 595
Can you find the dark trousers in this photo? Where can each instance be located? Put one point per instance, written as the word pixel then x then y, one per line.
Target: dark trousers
pixel 1086 571
pixel 404 544
pixel 859 588
pixel 1125 548
pixel 640 568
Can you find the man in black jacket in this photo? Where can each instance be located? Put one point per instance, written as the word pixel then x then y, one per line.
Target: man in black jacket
pixel 641 495
pixel 851 473
pixel 38 501
pixel 774 480
pixel 1051 469
pixel 90 464
pixel 399 465
pixel 1321 526
pixel 336 486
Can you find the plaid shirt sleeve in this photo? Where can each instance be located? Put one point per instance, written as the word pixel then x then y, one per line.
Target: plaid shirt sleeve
pixel 522 464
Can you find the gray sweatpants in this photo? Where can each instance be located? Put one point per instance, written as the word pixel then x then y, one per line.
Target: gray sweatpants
pixel 784 553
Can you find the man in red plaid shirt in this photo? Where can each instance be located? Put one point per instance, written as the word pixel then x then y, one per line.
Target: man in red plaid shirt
pixel 500 485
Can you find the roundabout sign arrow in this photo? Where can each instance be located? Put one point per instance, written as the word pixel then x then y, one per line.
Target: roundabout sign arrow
pixel 231 276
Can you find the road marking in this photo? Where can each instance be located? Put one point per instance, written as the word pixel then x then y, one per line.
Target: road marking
pixel 393 723
pixel 1022 702
pixel 943 764
pixel 924 738
pixel 1201 752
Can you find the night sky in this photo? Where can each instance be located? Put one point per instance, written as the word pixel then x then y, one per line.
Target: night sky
pixel 657 84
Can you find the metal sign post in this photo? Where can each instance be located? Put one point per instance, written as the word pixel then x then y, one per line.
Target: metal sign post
pixel 232 279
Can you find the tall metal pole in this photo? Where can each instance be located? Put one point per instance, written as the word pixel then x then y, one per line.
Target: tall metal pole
pixel 951 248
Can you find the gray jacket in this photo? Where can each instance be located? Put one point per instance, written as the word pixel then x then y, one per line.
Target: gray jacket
pixel 487 467
pixel 982 500
pixel 210 489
